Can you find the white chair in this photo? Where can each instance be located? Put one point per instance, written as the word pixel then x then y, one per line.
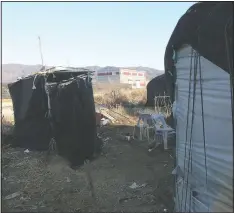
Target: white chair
pixel 144 125
pixel 161 128
pixel 156 122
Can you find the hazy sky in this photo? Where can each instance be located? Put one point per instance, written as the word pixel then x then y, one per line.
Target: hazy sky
pixel 87 33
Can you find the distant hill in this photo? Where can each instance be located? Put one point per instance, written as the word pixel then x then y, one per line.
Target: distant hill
pixel 10 72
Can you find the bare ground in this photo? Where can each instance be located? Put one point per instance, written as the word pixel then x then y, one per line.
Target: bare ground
pixel 32 183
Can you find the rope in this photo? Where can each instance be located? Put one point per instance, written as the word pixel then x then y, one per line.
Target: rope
pixel 34 87
pixel 191 130
pixel 175 191
pixel 176 194
pixel 230 66
pixel 52 144
pixel 203 120
pixel 186 137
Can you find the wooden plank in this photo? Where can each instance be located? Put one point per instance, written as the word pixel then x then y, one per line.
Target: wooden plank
pixel 107 115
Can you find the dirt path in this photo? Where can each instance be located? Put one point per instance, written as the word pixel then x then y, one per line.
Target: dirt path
pixel 53 186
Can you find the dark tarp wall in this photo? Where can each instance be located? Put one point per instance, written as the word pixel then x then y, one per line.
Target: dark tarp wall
pixel 31 129
pixel 156 87
pixel 208 28
pixel 69 117
pixel 73 119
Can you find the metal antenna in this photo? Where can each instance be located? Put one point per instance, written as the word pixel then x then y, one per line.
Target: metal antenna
pixel 68 64
pixel 42 63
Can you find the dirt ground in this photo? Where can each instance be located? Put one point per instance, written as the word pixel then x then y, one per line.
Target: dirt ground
pixel 31 182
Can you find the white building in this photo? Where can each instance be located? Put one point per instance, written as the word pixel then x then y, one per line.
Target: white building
pixel 137 79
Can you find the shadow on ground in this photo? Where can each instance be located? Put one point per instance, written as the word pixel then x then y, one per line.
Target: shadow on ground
pixel 125 177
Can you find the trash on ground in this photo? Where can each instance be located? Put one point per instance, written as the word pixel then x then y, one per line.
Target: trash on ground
pixel 135 186
pixel 24 198
pixel 104 121
pixel 121 200
pixel 151 149
pixel 11 196
pixel 68 179
pixel 127 138
pixel 106 139
pixel 26 151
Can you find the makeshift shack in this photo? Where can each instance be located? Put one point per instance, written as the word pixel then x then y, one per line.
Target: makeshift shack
pixel 156 87
pixel 199 72
pixel 56 105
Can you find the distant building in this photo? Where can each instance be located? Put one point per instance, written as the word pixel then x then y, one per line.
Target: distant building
pixel 137 79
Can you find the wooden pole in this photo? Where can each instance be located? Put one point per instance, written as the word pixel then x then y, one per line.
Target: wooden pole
pixel 42 62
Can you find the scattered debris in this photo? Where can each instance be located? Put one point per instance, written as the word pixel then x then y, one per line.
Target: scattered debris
pixel 107 115
pixel 155 146
pixel 106 140
pixel 104 121
pixel 11 196
pixel 128 138
pixel 135 186
pixel 68 179
pixel 24 198
pixel 121 200
pixel 95 186
pixel 78 210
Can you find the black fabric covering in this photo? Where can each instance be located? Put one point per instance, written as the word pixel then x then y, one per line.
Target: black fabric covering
pixel 31 129
pixel 69 118
pixel 73 117
pixel 205 27
pixel 156 87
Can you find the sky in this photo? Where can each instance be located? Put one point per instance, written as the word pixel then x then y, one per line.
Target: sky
pixel 89 33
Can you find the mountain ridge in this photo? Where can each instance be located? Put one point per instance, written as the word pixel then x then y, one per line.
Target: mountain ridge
pixel 10 72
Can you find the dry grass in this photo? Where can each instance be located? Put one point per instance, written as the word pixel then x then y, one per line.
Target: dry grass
pixel 6 100
pixel 7 133
pixel 130 102
pixel 7 112
pixel 122 97
pixel 7 123
pixel 124 104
